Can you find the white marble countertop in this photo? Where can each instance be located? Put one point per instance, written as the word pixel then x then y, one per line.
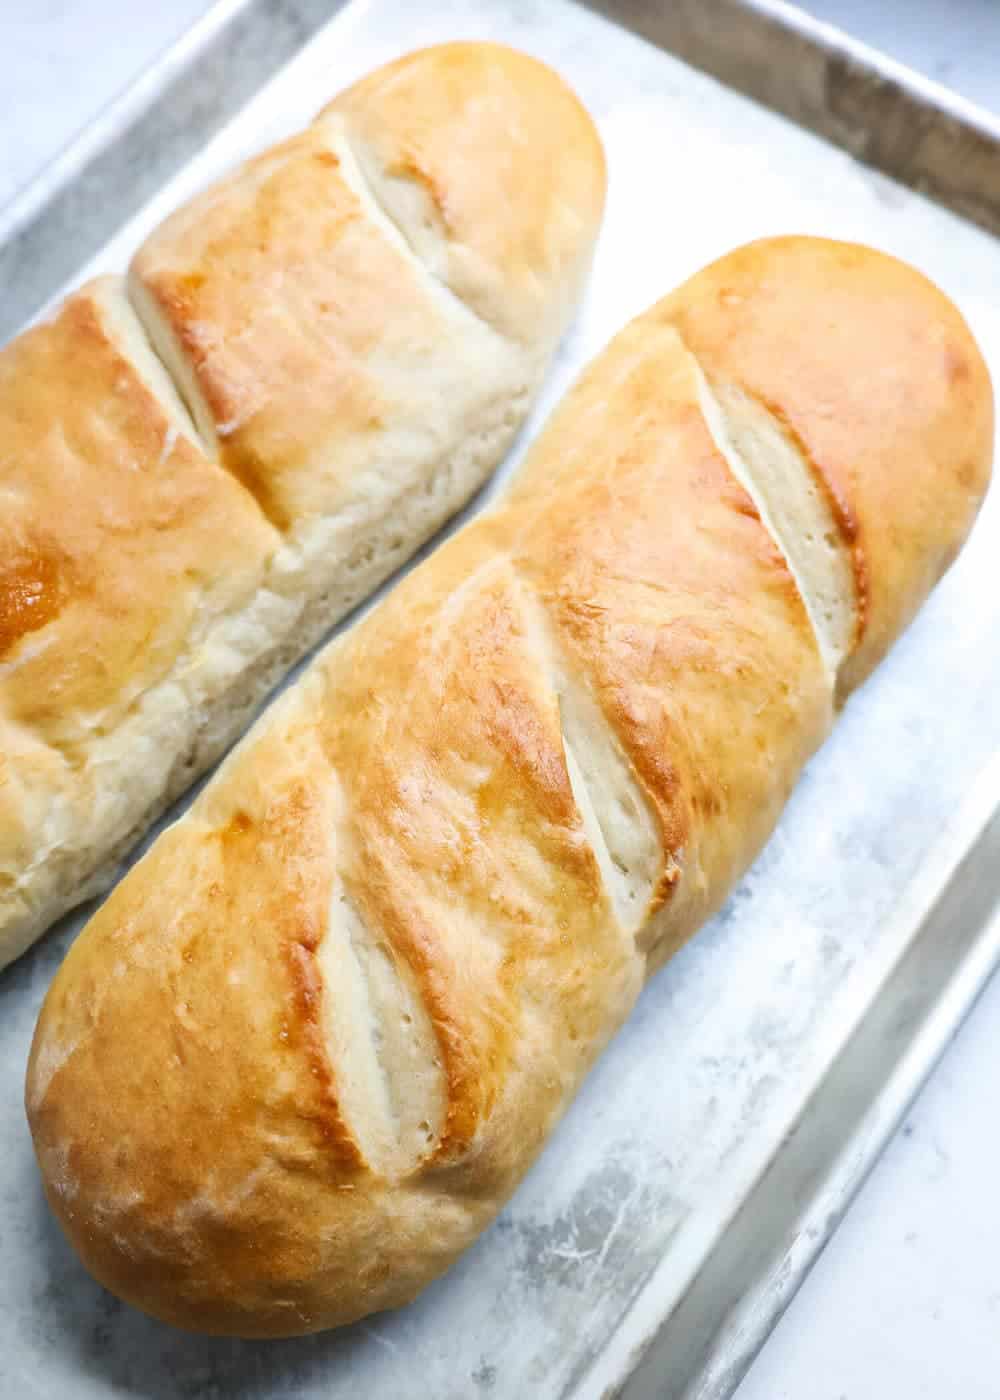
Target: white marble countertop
pixel 906 1300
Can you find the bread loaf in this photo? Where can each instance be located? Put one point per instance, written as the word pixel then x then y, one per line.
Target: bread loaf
pixel 315 1038
pixel 311 366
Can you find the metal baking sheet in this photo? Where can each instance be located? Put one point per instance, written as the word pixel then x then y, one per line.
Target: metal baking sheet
pixel 904 124
pixel 718 1141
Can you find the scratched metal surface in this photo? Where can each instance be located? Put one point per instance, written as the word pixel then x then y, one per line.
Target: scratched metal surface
pixel 722 1134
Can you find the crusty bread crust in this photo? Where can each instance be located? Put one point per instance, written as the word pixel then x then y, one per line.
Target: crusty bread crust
pixel 206 467
pixel 318 1034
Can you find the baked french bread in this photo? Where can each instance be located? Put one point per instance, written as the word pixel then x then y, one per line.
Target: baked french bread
pixel 312 1042
pixel 310 368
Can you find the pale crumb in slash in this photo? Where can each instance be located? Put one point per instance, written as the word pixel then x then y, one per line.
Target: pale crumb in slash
pixel 229 427
pixel 169 443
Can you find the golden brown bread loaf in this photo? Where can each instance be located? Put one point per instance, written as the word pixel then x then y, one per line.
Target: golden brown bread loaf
pixel 313 1041
pixel 329 384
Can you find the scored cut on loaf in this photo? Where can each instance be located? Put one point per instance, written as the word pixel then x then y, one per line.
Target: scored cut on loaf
pixel 311 366
pixel 385 944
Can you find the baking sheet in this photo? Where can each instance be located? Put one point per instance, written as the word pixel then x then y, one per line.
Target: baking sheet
pixel 671 1212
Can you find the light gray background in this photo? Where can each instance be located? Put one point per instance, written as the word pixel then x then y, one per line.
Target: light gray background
pixel 906 1300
